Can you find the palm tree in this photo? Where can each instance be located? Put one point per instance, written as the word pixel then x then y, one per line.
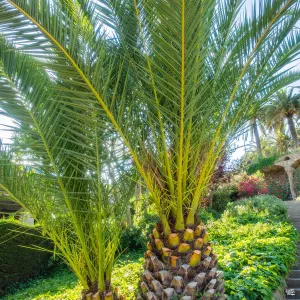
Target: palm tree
pixel 173 79
pixel 257 138
pixel 66 169
pixel 284 105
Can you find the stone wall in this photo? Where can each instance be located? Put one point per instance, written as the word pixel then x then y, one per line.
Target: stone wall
pixel 278 183
pixel 276 177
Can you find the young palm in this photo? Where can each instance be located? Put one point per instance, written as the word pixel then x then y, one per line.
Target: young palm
pixel 284 105
pixel 66 169
pixel 174 80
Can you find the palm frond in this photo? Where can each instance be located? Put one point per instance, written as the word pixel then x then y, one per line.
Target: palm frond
pixel 172 79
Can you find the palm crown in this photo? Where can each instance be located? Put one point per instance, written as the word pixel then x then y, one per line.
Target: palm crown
pixel 284 105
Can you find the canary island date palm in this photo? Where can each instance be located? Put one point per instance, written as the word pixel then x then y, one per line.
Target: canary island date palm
pixel 66 169
pixel 174 80
pixel 284 105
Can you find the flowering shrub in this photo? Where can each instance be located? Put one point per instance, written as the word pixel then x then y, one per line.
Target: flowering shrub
pixel 250 186
pixel 240 186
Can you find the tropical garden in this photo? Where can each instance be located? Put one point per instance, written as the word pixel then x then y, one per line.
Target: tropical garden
pixel 125 115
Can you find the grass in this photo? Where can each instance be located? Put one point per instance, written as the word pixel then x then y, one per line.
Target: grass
pixel 256 247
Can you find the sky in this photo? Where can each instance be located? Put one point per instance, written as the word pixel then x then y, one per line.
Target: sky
pixel 5 134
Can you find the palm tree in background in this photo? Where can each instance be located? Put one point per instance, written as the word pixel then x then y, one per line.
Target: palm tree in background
pixel 284 105
pixel 172 80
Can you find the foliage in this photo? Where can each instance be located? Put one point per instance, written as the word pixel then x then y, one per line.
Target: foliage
pixel 224 194
pixel 284 104
pixel 62 284
pixel 135 237
pixel 249 186
pixel 256 246
pixel 173 87
pixel 127 273
pixel 18 260
pixel 261 163
pixel 239 186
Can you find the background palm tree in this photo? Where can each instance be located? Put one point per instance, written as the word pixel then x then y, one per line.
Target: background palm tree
pixel 256 135
pixel 285 105
pixel 173 80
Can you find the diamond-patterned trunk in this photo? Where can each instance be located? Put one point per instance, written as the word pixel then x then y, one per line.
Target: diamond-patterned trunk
pixel 181 266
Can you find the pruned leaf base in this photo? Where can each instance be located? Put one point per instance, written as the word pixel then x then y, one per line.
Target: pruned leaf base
pixel 107 295
pixel 181 266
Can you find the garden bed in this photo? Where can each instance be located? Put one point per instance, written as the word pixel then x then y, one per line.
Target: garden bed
pixel 256 246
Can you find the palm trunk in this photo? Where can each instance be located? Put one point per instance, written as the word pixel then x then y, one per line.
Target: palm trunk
pixel 129 217
pixel 94 294
pixel 181 265
pixel 257 139
pixel 293 131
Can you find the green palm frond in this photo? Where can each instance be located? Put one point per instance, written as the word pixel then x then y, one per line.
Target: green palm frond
pixel 172 79
pixel 74 182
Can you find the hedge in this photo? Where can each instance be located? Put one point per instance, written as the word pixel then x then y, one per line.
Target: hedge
pixel 18 263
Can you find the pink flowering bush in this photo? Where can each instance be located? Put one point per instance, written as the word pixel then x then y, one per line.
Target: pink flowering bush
pixel 250 186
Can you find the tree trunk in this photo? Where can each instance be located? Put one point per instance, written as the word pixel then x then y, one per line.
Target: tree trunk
pixel 94 294
pixel 181 265
pixel 290 172
pixel 129 218
pixel 257 138
pixel 293 131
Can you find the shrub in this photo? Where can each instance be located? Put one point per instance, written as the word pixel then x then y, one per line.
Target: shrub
pixel 132 238
pixel 208 214
pixel 240 186
pixel 135 237
pixel 224 194
pixel 281 188
pixel 18 262
pixel 261 205
pixel 250 186
pixel 256 246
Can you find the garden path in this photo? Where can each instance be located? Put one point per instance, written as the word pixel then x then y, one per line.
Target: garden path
pixel 293 281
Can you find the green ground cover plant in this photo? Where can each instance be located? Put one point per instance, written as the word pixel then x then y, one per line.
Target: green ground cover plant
pixel 62 284
pixel 256 246
pixel 18 262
